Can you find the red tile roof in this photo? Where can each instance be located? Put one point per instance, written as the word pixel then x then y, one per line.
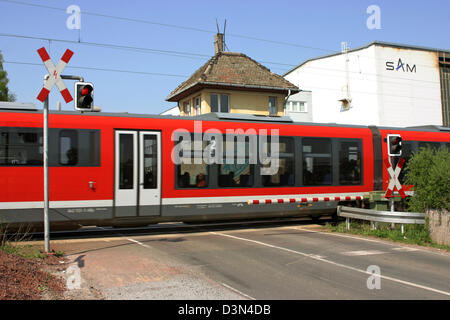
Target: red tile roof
pixel 236 70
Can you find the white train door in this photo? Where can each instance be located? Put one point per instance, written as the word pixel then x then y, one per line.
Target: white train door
pixel 137 173
pixel 149 173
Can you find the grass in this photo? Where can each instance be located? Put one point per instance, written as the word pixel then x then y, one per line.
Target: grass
pixel 414 233
pixel 9 244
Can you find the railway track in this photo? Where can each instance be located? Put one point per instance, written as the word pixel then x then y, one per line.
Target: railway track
pixel 173 227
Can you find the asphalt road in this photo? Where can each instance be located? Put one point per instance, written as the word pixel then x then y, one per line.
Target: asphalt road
pixel 284 262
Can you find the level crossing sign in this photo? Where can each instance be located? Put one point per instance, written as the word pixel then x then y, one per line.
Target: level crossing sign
pixel 54 75
pixel 394 182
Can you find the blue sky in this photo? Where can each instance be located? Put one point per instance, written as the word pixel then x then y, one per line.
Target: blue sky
pixel 307 28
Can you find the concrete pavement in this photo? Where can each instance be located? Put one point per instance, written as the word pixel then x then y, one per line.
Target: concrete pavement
pixel 287 262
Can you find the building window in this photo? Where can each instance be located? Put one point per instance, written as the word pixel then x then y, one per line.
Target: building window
pixel 197 106
pixel 219 103
pixel 272 105
pixel 187 109
pixel 296 106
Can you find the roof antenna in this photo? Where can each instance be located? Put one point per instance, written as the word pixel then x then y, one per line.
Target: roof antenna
pixel 217 25
pixel 224 29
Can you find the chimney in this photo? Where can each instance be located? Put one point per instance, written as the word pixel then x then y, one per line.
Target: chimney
pixel 218 43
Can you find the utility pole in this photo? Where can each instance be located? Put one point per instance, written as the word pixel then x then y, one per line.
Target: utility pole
pixel 46 189
pixel 50 80
pixel 46 174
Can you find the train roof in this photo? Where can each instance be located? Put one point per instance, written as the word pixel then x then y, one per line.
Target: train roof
pixel 218 116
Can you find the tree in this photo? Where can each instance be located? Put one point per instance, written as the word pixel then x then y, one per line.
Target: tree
pixel 429 173
pixel 5 95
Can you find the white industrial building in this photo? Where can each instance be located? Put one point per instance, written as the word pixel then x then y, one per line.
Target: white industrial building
pixel 174 111
pixel 381 84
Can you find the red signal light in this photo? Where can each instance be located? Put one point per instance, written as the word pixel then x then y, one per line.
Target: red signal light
pixel 84 97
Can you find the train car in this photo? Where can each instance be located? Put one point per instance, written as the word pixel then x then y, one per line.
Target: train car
pixel 119 169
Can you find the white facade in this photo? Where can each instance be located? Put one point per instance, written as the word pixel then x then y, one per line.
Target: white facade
pixel 388 85
pixel 175 111
pixel 299 107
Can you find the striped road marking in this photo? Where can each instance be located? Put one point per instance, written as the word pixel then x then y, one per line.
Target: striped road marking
pixel 362 253
pixel 314 257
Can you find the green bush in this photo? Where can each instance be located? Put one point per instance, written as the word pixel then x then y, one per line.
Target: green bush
pixel 428 171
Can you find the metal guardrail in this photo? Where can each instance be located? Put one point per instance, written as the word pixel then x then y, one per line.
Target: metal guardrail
pixel 380 216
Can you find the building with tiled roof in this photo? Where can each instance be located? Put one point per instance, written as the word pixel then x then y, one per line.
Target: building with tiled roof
pixel 232 82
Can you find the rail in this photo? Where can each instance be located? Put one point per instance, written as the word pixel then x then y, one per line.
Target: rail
pixel 380 216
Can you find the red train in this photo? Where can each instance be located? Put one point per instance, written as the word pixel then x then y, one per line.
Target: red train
pixel 117 169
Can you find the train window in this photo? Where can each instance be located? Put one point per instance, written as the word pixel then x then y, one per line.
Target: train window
pixel 126 163
pixel 408 147
pixel 150 161
pixel 349 163
pixel 285 174
pixel 193 170
pixel 94 147
pixel 21 146
pixel 68 147
pixel 433 145
pixel 193 175
pixel 236 175
pixel 316 161
pixel 236 169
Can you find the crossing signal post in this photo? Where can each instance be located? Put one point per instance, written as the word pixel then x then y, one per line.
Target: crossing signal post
pixel 394 148
pixel 84 96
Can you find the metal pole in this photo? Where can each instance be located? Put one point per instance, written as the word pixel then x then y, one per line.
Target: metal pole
pixel 391 199
pixel 391 202
pixel 45 154
pixel 46 189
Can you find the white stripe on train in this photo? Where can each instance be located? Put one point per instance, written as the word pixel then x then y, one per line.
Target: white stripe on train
pixel 305 199
pixel 193 200
pixel 246 199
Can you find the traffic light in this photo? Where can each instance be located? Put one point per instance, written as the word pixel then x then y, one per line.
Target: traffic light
pixel 84 96
pixel 394 145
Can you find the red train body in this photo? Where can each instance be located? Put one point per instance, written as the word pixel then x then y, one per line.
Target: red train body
pixel 117 169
